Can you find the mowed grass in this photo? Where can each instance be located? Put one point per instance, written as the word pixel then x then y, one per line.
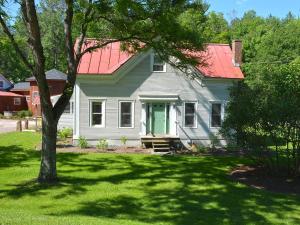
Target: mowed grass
pixel 113 189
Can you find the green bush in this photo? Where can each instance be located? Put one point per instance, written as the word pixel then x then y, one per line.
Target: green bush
pixel 124 140
pixel 82 142
pixel 214 140
pixel 202 149
pixel 65 133
pixel 24 114
pixel 102 144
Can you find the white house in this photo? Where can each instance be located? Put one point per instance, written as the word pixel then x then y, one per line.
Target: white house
pixel 141 97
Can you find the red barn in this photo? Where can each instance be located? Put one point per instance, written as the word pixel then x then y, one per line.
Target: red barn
pixel 56 81
pixel 12 102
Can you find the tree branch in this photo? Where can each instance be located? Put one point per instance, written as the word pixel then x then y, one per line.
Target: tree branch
pixel 72 62
pixel 101 45
pixel 35 42
pixel 84 26
pixel 14 43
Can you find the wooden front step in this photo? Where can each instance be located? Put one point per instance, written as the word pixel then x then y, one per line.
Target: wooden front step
pixel 159 144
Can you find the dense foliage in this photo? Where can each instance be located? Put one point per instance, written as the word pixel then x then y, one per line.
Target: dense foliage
pixel 264 112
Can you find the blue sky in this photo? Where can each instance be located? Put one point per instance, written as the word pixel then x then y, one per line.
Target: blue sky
pixel 236 8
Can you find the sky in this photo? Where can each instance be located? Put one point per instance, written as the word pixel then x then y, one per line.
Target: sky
pixel 236 8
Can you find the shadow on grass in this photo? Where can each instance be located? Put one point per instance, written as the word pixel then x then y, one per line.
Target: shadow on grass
pixel 173 190
pixel 15 155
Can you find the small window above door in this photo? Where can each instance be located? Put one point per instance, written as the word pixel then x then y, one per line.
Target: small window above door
pixel 158 65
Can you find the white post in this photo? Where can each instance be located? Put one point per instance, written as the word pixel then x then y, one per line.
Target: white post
pixel 143 119
pixel 173 118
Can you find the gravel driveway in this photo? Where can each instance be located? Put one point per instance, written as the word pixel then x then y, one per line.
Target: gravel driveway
pixel 7 125
pixel 11 125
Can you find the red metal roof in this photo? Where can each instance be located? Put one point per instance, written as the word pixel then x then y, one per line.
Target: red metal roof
pixel 218 58
pixel 102 61
pixel 9 94
pixel 107 60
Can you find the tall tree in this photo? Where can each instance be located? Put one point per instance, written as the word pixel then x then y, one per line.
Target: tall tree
pixel 217 29
pixel 11 66
pixel 163 25
pixel 51 15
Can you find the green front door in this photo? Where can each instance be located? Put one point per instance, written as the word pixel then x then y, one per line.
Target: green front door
pixel 159 118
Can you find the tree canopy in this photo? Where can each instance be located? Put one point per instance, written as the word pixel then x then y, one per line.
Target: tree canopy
pixel 264 108
pixel 56 32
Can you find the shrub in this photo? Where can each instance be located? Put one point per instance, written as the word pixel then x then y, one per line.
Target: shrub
pixel 124 140
pixel 65 133
pixel 214 141
pixel 24 113
pixel 102 144
pixel 202 149
pixel 82 142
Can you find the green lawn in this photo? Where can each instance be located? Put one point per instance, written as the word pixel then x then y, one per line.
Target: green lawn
pixel 131 189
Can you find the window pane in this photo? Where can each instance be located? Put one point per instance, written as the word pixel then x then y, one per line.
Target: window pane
pixel 158 63
pixel 190 121
pixel 125 107
pixel 126 121
pixel 189 108
pixel 67 109
pixel 126 114
pixel 97 107
pixel 158 67
pixel 96 119
pixel 216 121
pixel 216 109
pixel 216 115
pixel 190 115
pixel 1 84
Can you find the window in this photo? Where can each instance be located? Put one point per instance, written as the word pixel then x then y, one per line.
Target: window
pixel 17 101
pixel 97 113
pixel 126 114
pixel 190 119
pixel 216 114
pixel 1 84
pixel 69 108
pixel 28 98
pixel 158 64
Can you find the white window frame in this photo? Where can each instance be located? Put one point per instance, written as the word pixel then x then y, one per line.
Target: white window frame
pixel 132 112
pixel 196 119
pixel 152 65
pixel 103 113
pixel 17 102
pixel 210 113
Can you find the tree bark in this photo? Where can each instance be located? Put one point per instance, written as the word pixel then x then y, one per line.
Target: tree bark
pixel 48 173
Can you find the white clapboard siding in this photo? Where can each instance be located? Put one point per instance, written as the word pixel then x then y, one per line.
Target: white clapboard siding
pixel 141 80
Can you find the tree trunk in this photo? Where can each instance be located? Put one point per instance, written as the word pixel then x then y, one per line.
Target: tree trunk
pixel 48 153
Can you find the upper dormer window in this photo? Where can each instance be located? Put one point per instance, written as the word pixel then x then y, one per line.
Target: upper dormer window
pixel 158 64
